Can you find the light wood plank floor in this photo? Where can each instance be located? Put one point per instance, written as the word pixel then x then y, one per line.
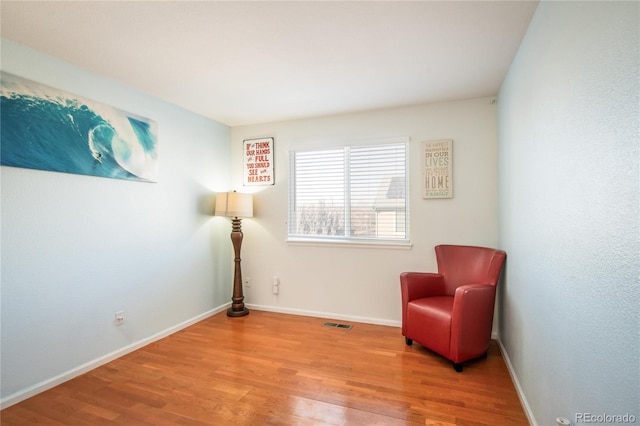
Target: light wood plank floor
pixel 276 369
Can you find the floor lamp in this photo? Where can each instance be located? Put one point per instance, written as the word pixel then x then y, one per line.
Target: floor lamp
pixel 236 206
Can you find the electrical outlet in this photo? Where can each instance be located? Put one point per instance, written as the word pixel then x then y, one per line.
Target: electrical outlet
pixel 119 317
pixel 247 282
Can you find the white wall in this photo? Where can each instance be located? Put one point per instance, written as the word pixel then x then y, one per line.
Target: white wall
pixel 569 216
pixel 362 284
pixel 76 249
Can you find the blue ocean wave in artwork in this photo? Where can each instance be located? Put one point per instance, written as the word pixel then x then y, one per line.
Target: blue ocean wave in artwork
pixel 43 128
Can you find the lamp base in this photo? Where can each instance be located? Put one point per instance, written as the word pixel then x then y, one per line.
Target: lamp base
pixel 237 313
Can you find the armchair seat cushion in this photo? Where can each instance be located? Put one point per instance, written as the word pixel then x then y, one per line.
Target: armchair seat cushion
pixel 436 308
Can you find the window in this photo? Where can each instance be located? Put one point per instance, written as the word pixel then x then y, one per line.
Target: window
pixel 351 193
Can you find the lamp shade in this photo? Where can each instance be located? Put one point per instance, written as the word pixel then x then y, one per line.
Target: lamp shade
pixel 234 204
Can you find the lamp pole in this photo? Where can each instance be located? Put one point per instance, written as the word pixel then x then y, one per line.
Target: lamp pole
pixel 237 308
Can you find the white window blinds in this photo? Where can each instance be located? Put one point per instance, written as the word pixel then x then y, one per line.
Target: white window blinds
pixel 349 193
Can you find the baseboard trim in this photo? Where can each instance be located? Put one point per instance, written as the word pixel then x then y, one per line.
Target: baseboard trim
pixel 68 375
pixel 327 315
pixel 516 383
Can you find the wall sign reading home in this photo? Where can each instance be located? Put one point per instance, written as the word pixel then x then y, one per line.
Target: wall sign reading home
pixel 437 171
pixel 258 162
pixel 47 129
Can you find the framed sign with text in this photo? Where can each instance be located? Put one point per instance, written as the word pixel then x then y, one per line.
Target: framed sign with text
pixel 437 170
pixel 258 162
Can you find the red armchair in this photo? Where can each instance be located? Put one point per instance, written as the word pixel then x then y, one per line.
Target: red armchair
pixel 451 312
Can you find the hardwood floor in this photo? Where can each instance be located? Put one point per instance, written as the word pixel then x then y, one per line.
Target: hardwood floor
pixel 276 369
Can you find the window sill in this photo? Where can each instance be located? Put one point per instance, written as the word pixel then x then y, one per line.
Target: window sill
pixel 401 245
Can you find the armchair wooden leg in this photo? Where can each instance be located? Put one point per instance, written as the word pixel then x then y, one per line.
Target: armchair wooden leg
pixel 408 341
pixel 457 367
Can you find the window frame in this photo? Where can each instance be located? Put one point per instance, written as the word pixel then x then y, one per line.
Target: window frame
pixel 376 242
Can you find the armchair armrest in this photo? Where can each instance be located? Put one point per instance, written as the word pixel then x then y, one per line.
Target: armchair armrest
pixel 472 319
pixel 416 285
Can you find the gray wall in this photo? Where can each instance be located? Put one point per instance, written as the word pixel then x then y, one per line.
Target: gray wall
pixel 568 211
pixel 76 249
pixel 331 279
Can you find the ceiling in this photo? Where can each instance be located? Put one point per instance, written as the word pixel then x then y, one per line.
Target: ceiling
pixel 243 62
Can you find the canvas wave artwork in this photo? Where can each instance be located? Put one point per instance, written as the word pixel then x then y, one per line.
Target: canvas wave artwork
pixel 48 129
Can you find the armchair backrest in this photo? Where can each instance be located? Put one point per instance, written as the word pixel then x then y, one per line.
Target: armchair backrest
pixel 461 265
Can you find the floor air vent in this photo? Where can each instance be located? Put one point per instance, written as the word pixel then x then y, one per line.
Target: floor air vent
pixel 336 325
